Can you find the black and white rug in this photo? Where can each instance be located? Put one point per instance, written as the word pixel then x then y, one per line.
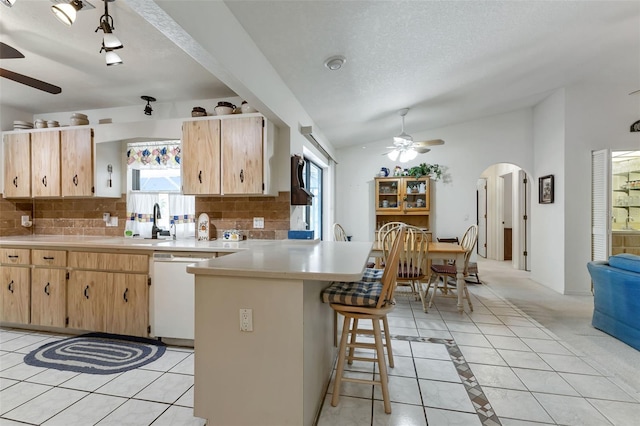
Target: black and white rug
pixel 97 353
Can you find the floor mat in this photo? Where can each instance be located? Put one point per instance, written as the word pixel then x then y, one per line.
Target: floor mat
pixel 97 353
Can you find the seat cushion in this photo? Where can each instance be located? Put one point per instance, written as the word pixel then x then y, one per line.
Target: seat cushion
pixel 444 269
pixel 626 261
pixel 355 293
pixel 372 275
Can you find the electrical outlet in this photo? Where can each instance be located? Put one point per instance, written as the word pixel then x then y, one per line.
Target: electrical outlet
pixel 246 320
pixel 258 222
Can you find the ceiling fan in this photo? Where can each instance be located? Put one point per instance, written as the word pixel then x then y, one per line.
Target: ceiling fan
pixel 405 148
pixel 8 52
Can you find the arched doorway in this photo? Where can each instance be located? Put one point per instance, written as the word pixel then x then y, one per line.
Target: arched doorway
pixel 503 214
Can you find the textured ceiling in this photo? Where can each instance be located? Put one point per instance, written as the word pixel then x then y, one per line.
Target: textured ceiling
pixel 449 61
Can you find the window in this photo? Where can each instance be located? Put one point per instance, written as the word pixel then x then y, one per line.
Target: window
pixel 154 178
pixel 313 183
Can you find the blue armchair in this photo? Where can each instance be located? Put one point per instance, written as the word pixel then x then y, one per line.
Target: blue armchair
pixel 616 289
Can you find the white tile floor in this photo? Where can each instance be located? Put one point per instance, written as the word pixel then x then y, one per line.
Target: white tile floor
pixel 531 352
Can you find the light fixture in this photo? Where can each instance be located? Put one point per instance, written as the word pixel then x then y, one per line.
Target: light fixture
pixel 147 109
pixel 402 154
pixel 66 12
pixel 334 63
pixel 8 3
pixel 109 41
pixel 111 57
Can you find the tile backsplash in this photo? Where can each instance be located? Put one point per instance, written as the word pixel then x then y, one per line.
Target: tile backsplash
pixel 84 216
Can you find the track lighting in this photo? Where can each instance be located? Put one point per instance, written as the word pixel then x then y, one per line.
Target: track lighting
pixel 148 109
pixel 8 3
pixel 109 41
pixel 65 12
pixel 112 58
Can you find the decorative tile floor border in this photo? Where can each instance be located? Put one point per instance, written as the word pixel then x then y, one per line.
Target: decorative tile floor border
pixel 479 400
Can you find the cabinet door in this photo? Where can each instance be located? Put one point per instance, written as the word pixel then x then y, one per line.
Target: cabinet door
pixel 127 304
pixel 388 195
pixel 17 165
pixel 45 164
pixel 85 300
pixel 15 294
pixel 242 156
pixel 76 153
pixel 48 297
pixel 416 194
pixel 201 157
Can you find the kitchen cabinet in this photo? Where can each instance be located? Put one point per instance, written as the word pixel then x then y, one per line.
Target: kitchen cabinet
pixel 76 153
pixel 14 282
pixel 45 164
pixel 49 288
pixel 403 199
pixel 17 165
pixel 109 292
pixel 226 156
pixel 242 156
pixel 626 195
pixel 201 157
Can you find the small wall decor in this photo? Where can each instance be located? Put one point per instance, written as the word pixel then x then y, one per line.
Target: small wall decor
pixel 545 189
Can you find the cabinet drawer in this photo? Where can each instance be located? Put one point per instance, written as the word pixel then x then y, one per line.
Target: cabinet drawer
pixel 49 257
pixel 14 256
pixel 109 261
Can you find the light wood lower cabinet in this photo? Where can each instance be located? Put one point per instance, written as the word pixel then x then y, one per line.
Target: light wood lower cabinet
pixel 86 293
pixel 15 294
pixel 49 297
pixel 127 304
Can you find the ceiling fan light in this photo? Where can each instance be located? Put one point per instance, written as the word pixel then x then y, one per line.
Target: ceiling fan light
pixel 66 12
pixel 112 58
pixel 407 155
pixel 393 155
pixel 8 3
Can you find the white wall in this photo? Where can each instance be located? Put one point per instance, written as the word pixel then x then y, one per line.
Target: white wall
pixel 547 261
pixel 468 150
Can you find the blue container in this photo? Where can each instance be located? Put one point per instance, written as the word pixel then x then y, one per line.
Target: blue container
pixel 301 235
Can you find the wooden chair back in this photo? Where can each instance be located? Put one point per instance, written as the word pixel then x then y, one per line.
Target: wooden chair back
pixel 391 269
pixel 338 233
pixel 469 240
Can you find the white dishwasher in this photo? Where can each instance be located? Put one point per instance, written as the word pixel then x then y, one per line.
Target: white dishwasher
pixel 172 294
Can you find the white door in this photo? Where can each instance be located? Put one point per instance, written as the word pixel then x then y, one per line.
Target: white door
pixel 482 217
pixel 600 205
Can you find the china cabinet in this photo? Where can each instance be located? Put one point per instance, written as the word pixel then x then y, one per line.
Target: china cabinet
pixel 403 199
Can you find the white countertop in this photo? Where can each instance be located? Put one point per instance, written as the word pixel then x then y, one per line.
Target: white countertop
pixel 292 259
pixel 98 242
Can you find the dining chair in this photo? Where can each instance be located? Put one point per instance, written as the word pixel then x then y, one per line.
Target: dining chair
pixel 412 262
pixel 447 271
pixel 380 233
pixel 358 301
pixel 472 267
pixel 338 233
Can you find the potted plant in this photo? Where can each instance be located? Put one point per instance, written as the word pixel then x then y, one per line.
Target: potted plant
pixel 434 171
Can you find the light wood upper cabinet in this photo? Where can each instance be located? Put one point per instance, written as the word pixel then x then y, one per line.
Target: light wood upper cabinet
pixel 242 156
pixel 201 157
pixel 17 165
pixel 45 164
pixel 76 147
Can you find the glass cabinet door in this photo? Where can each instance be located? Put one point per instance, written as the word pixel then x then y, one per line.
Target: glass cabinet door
pixel 416 193
pixel 388 194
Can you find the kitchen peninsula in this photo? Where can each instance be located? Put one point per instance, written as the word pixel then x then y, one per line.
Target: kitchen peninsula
pixel 277 373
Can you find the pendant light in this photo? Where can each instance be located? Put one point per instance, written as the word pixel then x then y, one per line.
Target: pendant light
pixel 109 41
pixel 148 109
pixel 66 12
pixel 8 3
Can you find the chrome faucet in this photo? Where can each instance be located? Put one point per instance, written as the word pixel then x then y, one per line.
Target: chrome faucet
pixel 156 215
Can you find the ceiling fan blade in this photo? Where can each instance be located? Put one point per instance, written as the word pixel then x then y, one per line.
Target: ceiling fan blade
pixel 431 142
pixel 30 81
pixel 8 52
pixel 421 150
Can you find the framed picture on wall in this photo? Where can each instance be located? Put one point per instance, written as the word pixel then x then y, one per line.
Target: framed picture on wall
pixel 545 189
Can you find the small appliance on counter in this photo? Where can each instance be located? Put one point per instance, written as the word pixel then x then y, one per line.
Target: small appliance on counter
pixel 301 234
pixel 232 235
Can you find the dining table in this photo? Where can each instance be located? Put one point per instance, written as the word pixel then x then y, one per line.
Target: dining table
pixel 439 251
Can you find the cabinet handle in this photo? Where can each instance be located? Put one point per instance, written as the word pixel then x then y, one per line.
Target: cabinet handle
pixel 12 256
pixel 86 292
pixel 44 181
pixel 10 286
pixel 15 181
pixel 48 257
pixel 46 290
pixel 241 175
pixel 124 296
pixel 200 176
pixel 75 180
